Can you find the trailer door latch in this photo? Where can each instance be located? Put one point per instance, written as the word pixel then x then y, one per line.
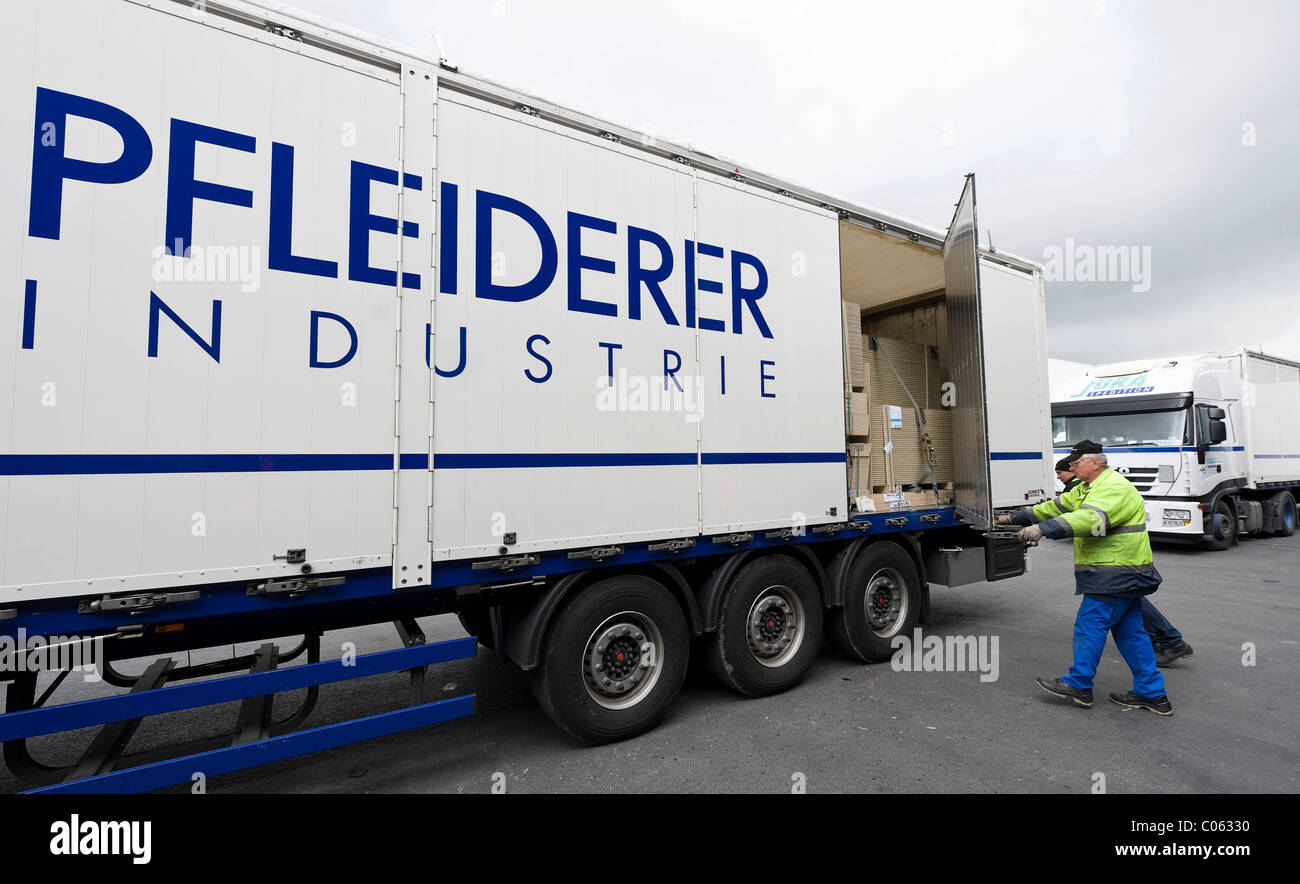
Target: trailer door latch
pixel 597 553
pixel 292 556
pixel 673 546
pixel 733 539
pixel 507 564
pixel 291 586
pixel 134 603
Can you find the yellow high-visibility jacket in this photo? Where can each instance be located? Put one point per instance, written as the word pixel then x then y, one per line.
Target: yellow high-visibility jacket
pixel 1107 519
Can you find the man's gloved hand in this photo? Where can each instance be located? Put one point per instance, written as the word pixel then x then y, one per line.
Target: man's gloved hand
pixel 1003 519
pixel 1030 534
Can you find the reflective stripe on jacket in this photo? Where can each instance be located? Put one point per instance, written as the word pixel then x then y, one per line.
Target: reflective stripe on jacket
pixel 1107 519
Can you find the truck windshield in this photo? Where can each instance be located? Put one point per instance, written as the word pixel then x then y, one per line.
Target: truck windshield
pixel 1135 429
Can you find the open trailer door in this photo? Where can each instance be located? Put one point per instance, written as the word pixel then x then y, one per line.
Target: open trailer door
pixel 966 352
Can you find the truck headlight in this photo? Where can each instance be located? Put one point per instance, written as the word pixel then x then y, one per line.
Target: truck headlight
pixel 1177 518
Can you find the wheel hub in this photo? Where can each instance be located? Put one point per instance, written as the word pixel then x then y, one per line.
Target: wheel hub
pixel 885 602
pixel 621 662
pixel 775 626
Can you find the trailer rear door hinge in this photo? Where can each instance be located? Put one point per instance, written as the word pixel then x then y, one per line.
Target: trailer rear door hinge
pixel 597 553
pixel 135 602
pixel 673 546
pixel 733 539
pixel 292 585
pixel 509 563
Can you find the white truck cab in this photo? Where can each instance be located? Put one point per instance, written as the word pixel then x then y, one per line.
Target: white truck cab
pixel 1211 441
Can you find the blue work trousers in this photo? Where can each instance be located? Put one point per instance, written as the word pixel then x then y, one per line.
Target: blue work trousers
pixel 1122 618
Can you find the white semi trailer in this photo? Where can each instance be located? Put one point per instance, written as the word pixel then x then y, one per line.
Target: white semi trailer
pixel 1212 441
pixel 303 330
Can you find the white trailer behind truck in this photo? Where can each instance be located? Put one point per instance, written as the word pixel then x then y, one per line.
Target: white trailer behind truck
pixel 305 331
pixel 1212 441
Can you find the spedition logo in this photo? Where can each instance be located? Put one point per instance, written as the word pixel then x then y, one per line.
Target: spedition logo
pixel 687 284
pixel 1120 386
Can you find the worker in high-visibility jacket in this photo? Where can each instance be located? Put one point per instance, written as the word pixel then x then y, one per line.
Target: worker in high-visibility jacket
pixel 1167 641
pixel 1113 570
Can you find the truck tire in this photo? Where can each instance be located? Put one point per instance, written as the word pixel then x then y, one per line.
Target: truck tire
pixel 769 630
pixel 614 657
pixel 1287 502
pixel 882 599
pixel 1222 530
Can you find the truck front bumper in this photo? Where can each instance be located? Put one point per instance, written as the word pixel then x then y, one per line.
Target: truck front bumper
pixel 1175 519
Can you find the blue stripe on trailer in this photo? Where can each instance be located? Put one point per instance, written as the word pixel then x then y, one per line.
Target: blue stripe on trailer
pixel 219 761
pixel 145 464
pixel 1015 455
pixel 134 464
pixel 538 459
pixel 774 457
pixel 87 713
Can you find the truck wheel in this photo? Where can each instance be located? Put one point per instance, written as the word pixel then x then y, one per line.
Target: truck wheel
pixel 614 658
pixel 1223 526
pixel 1287 528
pixel 770 628
pixel 882 599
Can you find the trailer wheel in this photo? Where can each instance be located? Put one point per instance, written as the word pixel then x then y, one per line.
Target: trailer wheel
pixel 1222 531
pixel 1287 528
pixel 614 658
pixel 769 630
pixel 882 599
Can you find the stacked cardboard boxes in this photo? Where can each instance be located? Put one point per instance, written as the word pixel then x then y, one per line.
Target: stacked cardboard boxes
pixel 853 345
pixel 902 392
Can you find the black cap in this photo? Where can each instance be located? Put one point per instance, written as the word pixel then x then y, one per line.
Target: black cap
pixel 1087 446
pixel 1063 465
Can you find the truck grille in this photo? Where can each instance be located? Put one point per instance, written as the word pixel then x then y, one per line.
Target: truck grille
pixel 1141 477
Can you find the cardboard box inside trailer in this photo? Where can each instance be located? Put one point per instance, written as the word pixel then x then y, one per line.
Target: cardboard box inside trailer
pixel 898 286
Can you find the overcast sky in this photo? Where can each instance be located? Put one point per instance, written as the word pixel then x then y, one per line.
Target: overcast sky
pixel 1171 127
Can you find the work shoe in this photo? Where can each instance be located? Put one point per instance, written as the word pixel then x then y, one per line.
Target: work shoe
pixel 1159 705
pixel 1165 656
pixel 1058 688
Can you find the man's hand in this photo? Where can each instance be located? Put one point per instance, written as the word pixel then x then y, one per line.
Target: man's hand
pixel 1030 534
pixel 1004 519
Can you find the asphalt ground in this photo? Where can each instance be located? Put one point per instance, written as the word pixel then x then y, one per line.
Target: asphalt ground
pixel 848 727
